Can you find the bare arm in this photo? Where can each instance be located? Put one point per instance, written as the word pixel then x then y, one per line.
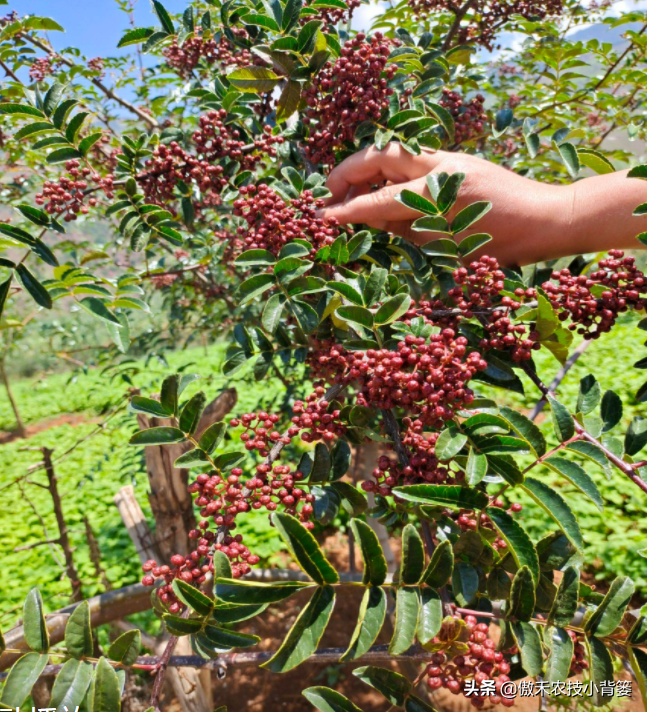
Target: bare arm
pixel 530 221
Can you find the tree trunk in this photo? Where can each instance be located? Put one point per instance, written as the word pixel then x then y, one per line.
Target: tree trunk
pixel 20 427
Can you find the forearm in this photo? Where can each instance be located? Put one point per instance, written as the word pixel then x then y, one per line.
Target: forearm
pixel 601 216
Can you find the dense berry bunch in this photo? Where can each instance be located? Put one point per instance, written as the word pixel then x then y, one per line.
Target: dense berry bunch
pixel 214 142
pixel 480 661
pixel 469 520
pixel 579 661
pixel 469 117
pixel 272 223
pixel 347 93
pixel 185 58
pixel 97 64
pixel 315 416
pixel 478 291
pixel 260 431
pixel 68 195
pixel 41 68
pixel 487 16
pixel 332 15
pixel 429 380
pixel 593 301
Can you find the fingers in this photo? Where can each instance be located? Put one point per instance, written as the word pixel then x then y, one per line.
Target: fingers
pixel 370 166
pixel 375 208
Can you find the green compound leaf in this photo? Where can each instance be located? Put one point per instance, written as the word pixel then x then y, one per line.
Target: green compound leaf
pixel 303 546
pixel 407 605
pixel 369 623
pixel 375 567
pixel 78 632
pixel 440 567
pixel 304 636
pixel 555 505
pixel 521 547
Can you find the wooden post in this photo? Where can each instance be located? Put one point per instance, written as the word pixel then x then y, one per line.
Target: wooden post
pixel 63 538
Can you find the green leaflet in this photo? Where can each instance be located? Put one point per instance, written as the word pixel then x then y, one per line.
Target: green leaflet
pixel 375 568
pixel 249 593
pixel 562 420
pixel 449 495
pixel 304 636
pixel 476 468
pixel 430 616
pixel 303 546
pixel 391 684
pixel 71 684
pixel 561 647
pixel 107 690
pixel 369 623
pixel 607 616
pixel 78 632
pixel 221 639
pixel 565 603
pixel 638 660
pixel 529 645
pixel 327 700
pixel 522 595
pixel 125 649
pixel 526 429
pixel 578 476
pixel 193 597
pixel 407 605
pixel 556 506
pixel 521 547
pixel 413 556
pixel 465 583
pixel 36 635
pixel 225 613
pixel 22 678
pixel 601 667
pixel 439 569
pixel 450 443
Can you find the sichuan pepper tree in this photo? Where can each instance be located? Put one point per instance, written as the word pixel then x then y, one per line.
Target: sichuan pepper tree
pixel 210 175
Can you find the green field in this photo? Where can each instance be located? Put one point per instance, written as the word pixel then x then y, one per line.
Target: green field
pixel 93 472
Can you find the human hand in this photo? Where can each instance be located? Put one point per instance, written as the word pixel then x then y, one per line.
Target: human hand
pixel 529 222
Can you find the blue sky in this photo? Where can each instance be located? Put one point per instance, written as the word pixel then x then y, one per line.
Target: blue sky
pixel 94 26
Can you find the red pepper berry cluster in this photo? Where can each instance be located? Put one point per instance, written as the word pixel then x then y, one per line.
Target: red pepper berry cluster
pixel 593 301
pixel 343 95
pixel 161 281
pixel 214 141
pixel 477 288
pixel 273 223
pixel 482 662
pixel 579 663
pixel 333 16
pixel 487 16
pixel 428 379
pixel 260 431
pixel 97 64
pixel 67 195
pixel 186 57
pixel 469 117
pixel 315 416
pixel 41 68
